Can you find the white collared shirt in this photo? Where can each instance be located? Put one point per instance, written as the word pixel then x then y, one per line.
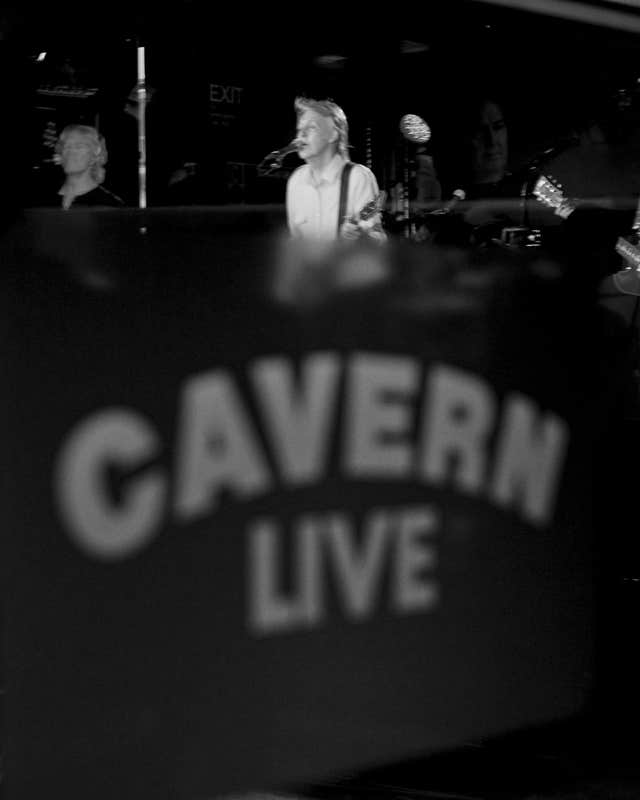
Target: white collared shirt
pixel 313 200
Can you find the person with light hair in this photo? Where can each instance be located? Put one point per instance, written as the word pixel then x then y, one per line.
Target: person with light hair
pixel 82 153
pixel 330 197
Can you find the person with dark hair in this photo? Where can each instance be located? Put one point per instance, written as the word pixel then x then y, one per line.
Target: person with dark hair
pixel 472 158
pixel 489 148
pixel 313 198
pixel 474 154
pixel 82 153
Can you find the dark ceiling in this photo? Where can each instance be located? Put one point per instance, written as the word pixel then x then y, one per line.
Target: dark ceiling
pixel 278 45
pixel 282 31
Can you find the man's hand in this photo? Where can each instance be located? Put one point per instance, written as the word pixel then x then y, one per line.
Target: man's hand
pixel 351 231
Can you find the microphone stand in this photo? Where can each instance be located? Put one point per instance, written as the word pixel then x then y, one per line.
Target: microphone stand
pixel 273 162
pixel 525 194
pixel 142 134
pixel 269 164
pixel 406 211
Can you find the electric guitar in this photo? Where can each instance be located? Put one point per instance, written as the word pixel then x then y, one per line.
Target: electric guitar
pixel 368 211
pixel 550 193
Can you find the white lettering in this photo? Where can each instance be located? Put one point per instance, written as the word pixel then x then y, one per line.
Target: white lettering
pixel 308 535
pixel 327 552
pixel 529 454
pixel 225 94
pixel 102 527
pixel 216 92
pixel 299 426
pixel 358 573
pixel 217 447
pixel 378 416
pixel 412 589
pixel 443 432
pixel 270 610
pixel 458 421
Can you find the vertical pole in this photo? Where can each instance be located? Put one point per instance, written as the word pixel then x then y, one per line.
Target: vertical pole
pixel 635 228
pixel 405 191
pixel 142 134
pixel 524 196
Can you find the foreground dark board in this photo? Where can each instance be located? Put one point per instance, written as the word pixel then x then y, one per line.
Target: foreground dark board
pixel 252 544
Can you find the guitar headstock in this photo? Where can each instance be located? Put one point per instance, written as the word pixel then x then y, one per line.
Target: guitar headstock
pixel 549 191
pixel 373 208
pixel 367 212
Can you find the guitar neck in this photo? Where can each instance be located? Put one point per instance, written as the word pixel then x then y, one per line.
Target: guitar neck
pixel 371 209
pixel 548 192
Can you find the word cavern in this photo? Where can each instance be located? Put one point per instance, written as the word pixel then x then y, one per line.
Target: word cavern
pixel 282 424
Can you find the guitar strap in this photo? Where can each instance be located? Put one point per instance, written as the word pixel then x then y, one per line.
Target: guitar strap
pixel 344 191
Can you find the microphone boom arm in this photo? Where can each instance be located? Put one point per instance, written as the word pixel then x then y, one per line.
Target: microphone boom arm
pixel 273 161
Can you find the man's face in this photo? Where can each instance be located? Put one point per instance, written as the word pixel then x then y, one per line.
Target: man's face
pixel 489 146
pixel 78 154
pixel 316 134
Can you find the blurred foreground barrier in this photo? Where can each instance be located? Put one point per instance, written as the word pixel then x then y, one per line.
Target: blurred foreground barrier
pixel 268 519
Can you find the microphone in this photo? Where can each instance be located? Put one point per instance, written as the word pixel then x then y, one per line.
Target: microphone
pixel 280 154
pixel 273 160
pixel 457 197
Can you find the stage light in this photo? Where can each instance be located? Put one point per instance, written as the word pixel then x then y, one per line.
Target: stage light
pixel 408 47
pixel 415 129
pixel 330 61
pixel 41 56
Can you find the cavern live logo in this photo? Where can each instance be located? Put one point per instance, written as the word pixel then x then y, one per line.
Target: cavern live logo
pixel 282 426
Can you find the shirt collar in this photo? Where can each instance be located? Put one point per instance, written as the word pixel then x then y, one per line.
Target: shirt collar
pixel 330 173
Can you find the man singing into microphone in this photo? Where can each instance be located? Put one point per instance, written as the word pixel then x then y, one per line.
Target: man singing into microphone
pixel 329 197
